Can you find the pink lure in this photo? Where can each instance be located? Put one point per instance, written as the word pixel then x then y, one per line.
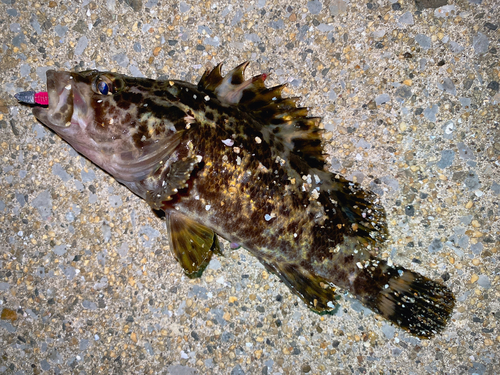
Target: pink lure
pixel 31 97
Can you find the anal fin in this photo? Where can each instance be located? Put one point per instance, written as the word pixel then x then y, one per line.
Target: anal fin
pixel 192 243
pixel 318 294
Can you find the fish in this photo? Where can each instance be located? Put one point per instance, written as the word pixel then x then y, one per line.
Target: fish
pixel 230 157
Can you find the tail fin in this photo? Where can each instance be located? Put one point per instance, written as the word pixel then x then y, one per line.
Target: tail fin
pixel 413 302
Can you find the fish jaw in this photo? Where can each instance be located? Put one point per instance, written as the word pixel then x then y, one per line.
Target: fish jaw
pixel 68 112
pixel 65 99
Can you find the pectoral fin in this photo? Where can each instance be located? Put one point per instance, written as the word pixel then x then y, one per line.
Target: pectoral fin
pixel 315 291
pixel 192 243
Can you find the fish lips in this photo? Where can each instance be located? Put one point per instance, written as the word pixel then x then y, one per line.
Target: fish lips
pixel 63 98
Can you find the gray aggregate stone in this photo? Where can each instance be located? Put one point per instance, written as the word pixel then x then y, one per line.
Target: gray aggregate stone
pixel 59 250
pixel 495 187
pixel 484 281
pixel 455 47
pixel 121 59
pixel 43 204
pixel 61 30
pixel 383 98
pixel 45 365
pixel 465 102
pixel 480 43
pixel 184 7
pixel 151 235
pixel 338 7
pixel 181 370
pixel 88 176
pixel 115 201
pixel 465 152
pixel 430 113
pixel 435 246
pixel 448 86
pixel 407 19
pixel 58 170
pixel 424 41
pixel 447 157
pixel 388 330
pixel 89 305
pixel 314 6
pixel 472 181
pixel 7 326
pixel 35 24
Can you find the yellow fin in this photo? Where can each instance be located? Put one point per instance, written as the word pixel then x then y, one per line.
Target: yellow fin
pixel 192 243
pixel 318 294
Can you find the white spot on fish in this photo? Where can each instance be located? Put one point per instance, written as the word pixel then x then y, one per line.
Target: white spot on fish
pixel 228 142
pixel 207 207
pixel 258 140
pixel 99 101
pixel 280 160
pixel 194 96
pixel 314 195
pixel 295 235
pixel 207 98
pixel 267 217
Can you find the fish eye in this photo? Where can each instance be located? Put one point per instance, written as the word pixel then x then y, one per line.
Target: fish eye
pixel 103 88
pixel 102 85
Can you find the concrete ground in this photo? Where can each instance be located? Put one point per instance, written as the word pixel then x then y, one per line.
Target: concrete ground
pixel 410 99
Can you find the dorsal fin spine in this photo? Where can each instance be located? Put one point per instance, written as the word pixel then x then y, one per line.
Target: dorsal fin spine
pixel 269 108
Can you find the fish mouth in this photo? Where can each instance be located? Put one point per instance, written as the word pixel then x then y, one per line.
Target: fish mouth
pixel 64 99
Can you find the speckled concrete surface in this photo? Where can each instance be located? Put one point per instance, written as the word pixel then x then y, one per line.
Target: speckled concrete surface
pixel 410 97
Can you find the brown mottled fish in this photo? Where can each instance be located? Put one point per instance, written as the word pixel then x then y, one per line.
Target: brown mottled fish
pixel 234 158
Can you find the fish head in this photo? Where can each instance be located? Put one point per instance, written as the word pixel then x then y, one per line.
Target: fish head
pixel 118 122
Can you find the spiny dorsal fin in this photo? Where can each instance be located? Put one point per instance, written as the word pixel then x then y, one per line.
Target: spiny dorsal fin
pixel 288 122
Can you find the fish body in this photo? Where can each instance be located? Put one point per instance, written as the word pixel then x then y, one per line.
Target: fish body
pixel 233 158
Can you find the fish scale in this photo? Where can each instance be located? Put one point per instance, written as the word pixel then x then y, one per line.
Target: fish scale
pixel 231 157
